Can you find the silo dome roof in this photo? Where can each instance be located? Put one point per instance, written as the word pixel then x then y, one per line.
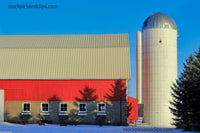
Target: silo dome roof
pixel 159 20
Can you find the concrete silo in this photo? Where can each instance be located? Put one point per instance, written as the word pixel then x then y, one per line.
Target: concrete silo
pixel 1 105
pixel 159 68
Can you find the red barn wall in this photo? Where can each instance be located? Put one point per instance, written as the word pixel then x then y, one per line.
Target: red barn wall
pixel 42 90
pixel 133 105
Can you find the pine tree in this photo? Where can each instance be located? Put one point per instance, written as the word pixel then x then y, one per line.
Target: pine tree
pixel 186 92
pixel 195 93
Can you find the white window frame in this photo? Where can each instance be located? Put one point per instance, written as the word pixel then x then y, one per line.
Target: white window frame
pixel 41 107
pixel 23 107
pixel 60 107
pixel 98 108
pixel 79 108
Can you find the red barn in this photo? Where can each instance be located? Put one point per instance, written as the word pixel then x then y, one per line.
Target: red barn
pixel 76 79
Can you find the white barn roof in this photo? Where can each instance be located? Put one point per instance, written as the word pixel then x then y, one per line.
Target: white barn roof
pixel 65 57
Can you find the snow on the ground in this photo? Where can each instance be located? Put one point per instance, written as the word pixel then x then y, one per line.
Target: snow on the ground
pixel 51 128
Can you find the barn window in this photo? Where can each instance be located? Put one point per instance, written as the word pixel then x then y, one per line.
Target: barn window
pixel 82 107
pixel 45 107
pixel 26 107
pixel 63 107
pixel 101 107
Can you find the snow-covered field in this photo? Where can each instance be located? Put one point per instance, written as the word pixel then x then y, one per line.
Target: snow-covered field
pixel 34 128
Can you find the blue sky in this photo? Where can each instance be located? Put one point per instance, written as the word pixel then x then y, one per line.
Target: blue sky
pixel 104 17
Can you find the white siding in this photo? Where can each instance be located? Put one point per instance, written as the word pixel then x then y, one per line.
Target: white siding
pixel 1 105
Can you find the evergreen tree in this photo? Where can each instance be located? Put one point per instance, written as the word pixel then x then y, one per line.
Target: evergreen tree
pixel 186 92
pixel 195 94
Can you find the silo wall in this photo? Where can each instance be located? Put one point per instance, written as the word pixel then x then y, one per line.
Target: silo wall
pixel 159 72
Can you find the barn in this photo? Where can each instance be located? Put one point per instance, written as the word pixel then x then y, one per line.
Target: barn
pixel 75 79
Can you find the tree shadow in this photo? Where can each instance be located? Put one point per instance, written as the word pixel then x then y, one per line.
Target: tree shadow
pixel 117 92
pixel 9 118
pixel 117 104
pixel 50 117
pixel 53 101
pixel 20 118
pixel 87 95
pixel 74 119
pixel 54 98
pixel 36 117
pixel 129 109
